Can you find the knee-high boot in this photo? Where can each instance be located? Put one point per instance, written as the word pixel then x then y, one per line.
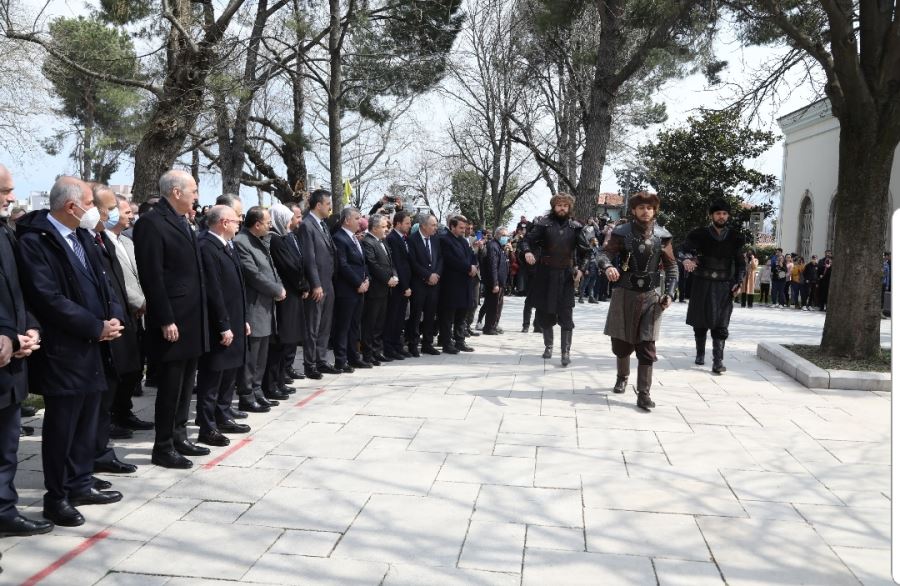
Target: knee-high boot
pixel 645 379
pixel 718 355
pixel 548 342
pixel 623 369
pixel 700 342
pixel 565 345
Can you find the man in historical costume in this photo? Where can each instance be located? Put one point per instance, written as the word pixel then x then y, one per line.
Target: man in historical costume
pixel 637 306
pixel 714 255
pixel 563 252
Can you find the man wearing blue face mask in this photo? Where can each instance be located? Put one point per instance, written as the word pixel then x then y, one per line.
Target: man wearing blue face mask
pixel 494 273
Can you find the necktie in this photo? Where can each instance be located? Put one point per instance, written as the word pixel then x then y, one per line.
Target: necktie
pixel 99 239
pixel 428 248
pixel 294 241
pixel 79 251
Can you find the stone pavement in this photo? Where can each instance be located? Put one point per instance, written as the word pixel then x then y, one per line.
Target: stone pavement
pixel 496 468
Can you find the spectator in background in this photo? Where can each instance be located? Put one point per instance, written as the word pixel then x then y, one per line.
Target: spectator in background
pixel 810 282
pixel 748 287
pixel 765 282
pixel 779 280
pixel 824 279
pixel 796 273
pixel 494 273
pixel 885 276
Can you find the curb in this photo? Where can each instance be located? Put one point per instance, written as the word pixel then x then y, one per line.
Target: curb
pixel 811 376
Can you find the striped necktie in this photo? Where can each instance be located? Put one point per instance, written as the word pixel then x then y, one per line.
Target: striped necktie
pixel 79 251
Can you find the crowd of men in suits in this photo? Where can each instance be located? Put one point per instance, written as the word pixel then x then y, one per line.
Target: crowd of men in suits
pixel 92 298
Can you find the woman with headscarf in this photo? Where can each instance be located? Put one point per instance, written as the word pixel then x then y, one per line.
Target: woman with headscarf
pixel 288 258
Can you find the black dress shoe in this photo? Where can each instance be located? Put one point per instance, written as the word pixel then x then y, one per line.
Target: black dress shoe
pixel 101 484
pixel 326 368
pixel 171 459
pixel 404 353
pixel 115 467
pixel 490 332
pixel 381 358
pixel 253 406
pixel 472 333
pixel 189 448
pixel 414 352
pixel 276 395
pixel 236 413
pixel 262 400
pixel 287 390
pixel 133 422
pixel 395 355
pixel 361 364
pixel 28 411
pixel 26 430
pixel 230 426
pixel 312 373
pixel 20 526
pixel 431 350
pixel 213 438
pixel 463 347
pixel 95 497
pixel 62 513
pixel 373 362
pixel 449 350
pixel 287 380
pixel 344 368
pixel 295 374
pixel 118 432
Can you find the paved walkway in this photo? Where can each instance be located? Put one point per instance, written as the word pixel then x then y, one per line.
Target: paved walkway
pixel 496 468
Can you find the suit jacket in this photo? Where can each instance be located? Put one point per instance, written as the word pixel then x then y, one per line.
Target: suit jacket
pixel 400 255
pixel 126 350
pixel 71 301
pixel 422 267
pixel 494 266
pixel 380 266
pixel 288 257
pixel 125 254
pixel 262 282
pixel 171 274
pixel 351 265
pixel 318 249
pixel 15 319
pixel 225 295
pixel 456 284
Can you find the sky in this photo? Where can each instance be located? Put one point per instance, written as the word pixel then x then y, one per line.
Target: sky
pixel 34 171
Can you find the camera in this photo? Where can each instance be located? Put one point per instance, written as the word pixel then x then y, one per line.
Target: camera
pixel 391 198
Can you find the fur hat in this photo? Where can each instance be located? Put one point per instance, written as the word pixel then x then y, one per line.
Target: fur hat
pixel 643 197
pixel 719 205
pixel 561 197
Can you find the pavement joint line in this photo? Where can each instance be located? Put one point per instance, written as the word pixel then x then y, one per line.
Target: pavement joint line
pixel 218 459
pixel 304 402
pixel 67 557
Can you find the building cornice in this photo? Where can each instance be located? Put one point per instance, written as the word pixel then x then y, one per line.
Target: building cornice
pixel 806 116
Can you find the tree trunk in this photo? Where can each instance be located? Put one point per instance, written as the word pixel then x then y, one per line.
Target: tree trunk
pixel 334 105
pixel 853 321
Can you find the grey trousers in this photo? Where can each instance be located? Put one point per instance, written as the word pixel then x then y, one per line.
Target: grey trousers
pixel 318 329
pixel 250 379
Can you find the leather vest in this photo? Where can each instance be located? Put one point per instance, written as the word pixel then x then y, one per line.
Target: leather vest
pixel 641 256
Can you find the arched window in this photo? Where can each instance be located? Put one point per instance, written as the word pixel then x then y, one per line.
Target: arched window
pixel 829 240
pixel 804 236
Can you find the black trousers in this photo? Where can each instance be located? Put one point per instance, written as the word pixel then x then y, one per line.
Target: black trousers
pixel 279 359
pixel 10 422
pixel 645 350
pixel 493 303
pixel 563 318
pixel 250 377
pixel 422 312
pixel 122 405
pixel 68 444
pixel 526 314
pixel 215 392
pixel 476 295
pixel 373 324
pixel 453 326
pixel 173 402
pixel 764 289
pixel 394 320
pixel 103 452
pixel 347 317
pixel 746 299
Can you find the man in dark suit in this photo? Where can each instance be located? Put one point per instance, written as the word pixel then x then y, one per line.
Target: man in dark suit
pixel 19 337
pixel 383 279
pixel 456 286
pixel 228 328
pixel 171 273
pixel 264 288
pixel 427 264
pixel 124 352
pixel 317 245
pixel 398 298
pixel 351 281
pixel 494 273
pixel 63 280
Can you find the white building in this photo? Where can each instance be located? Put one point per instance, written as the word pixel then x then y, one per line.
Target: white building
pixel 810 178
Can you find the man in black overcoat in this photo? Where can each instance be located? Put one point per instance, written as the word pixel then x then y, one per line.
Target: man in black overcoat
pixel 382 280
pixel 494 273
pixel 457 294
pixel 427 265
pixel 398 297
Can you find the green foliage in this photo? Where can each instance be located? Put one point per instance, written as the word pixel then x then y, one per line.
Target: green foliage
pixel 690 167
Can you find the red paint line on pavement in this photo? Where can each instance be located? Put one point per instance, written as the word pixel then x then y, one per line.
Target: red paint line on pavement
pixel 215 461
pixel 68 557
pixel 309 398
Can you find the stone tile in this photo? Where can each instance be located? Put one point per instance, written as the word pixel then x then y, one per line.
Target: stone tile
pixel 308 543
pixel 297 508
pixel 292 569
pixel 153 517
pixel 761 552
pixel 373 425
pixel 705 448
pixel 866 499
pixel 564 538
pixel 683 496
pixel 857 477
pixel 495 547
pixel 456 437
pixel 407 473
pixel 538 425
pixel 510 451
pixel 877 453
pixel 224 483
pixel 684 573
pixel 278 462
pixel 843 526
pixel 871 566
pixel 406 575
pixel 383 447
pixel 323 440
pixel 405 529
pixel 32 555
pixel 567 468
pixel 544 567
pixel 618 439
pixel 535 439
pixel 650 534
pixel 761 510
pixel 460 493
pixel 430 407
pixel 488 470
pixel 779 488
pixel 532 506
pixel 124 579
pixel 216 512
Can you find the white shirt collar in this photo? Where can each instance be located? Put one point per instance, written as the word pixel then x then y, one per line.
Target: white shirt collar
pixel 222 240
pixel 63 230
pixel 350 234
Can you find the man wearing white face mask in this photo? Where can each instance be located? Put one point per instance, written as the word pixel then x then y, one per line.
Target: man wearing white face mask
pixel 69 294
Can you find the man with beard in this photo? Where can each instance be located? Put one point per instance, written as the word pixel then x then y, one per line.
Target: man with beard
pixel 563 251
pixel 713 254
pixel 636 307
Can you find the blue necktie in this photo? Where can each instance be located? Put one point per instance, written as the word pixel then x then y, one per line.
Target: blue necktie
pixel 79 251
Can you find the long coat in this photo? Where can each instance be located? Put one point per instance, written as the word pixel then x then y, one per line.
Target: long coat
pixel 15 319
pixel 456 284
pixel 422 266
pixel 171 273
pixel 262 282
pixel 288 257
pixel 71 360
pixel 494 266
pixel 749 285
pixel 563 248
pixel 399 248
pixel 125 350
pixel 351 265
pixel 381 268
pixel 319 254
pixel 227 303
